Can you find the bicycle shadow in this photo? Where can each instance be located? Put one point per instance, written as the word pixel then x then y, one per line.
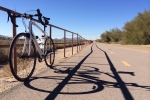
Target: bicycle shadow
pixel 71 73
pixel 86 75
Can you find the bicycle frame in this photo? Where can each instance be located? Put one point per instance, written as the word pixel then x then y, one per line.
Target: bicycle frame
pixel 32 37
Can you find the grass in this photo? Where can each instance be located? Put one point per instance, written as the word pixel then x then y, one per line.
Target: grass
pixel 4 51
pixel 6 72
pixel 5 41
pixel 4 55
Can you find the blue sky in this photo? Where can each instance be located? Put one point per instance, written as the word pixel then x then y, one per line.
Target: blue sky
pixel 89 18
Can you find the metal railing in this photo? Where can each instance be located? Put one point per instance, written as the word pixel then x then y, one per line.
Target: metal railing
pixel 79 42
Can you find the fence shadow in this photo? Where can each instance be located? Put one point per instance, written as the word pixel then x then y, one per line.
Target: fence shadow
pixel 127 95
pixel 86 75
pixel 73 76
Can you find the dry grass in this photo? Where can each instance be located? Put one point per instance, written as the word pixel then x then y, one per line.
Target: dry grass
pixel 4 56
pixel 5 41
pixel 8 82
pixel 144 48
pixel 4 52
pixel 5 72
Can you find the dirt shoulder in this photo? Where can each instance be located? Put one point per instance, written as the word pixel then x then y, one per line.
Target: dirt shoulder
pixel 143 48
pixel 9 82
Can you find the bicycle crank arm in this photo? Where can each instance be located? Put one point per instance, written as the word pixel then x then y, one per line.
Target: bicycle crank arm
pixel 50 53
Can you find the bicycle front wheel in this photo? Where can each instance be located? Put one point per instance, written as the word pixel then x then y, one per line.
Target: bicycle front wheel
pixel 22 65
pixel 49 52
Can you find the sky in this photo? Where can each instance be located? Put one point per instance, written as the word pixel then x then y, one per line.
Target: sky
pixel 89 18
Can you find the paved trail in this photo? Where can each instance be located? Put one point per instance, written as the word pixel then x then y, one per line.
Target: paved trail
pixel 98 72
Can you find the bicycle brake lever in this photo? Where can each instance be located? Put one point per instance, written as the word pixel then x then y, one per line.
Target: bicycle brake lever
pixel 8 18
pixel 11 17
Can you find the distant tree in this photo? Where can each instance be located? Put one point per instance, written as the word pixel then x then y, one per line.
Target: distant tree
pixel 98 40
pixel 137 31
pixel 114 35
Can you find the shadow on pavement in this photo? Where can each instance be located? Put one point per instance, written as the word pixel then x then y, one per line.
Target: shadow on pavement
pixel 76 78
pixel 122 84
pixel 127 95
pixel 86 75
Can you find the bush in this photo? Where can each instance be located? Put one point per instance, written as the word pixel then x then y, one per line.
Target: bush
pixel 3 56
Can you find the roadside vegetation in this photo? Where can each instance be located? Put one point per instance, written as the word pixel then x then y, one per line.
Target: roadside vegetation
pixel 136 31
pixel 4 51
pixel 59 44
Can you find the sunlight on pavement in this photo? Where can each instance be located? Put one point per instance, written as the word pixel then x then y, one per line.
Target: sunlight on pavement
pixel 111 52
pixel 125 63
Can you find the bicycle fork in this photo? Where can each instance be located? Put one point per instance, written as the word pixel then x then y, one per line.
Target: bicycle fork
pixel 25 43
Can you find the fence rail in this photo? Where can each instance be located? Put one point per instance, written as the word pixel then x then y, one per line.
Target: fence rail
pixel 80 40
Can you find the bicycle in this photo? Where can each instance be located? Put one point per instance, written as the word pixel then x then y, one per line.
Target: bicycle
pixel 27 48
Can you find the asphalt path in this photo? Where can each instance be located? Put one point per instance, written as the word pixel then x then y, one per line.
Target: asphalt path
pixel 98 72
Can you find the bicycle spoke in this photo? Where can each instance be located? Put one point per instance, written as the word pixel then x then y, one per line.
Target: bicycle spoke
pixel 25 63
pixel 49 51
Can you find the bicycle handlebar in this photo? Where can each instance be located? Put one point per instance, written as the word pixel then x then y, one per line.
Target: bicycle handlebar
pixel 46 22
pixel 39 16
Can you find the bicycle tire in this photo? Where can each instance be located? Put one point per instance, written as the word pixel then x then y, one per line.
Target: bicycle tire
pixel 25 64
pixel 49 47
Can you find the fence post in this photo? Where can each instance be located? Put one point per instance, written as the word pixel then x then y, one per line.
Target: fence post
pixel 86 42
pixel 64 42
pixel 14 52
pixel 72 43
pixel 50 34
pixel 77 42
pixel 81 43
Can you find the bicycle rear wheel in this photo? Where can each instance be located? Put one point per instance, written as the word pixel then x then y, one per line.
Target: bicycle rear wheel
pixel 49 52
pixel 23 67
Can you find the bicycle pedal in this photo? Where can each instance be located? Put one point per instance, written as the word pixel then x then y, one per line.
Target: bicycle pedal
pixel 40 59
pixel 36 37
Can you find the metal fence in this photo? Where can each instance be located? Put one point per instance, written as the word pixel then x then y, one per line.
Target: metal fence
pixel 79 42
